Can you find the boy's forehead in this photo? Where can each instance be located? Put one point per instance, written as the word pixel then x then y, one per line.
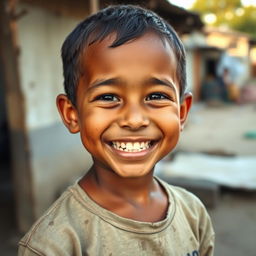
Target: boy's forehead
pixel 148 40
pixel 148 49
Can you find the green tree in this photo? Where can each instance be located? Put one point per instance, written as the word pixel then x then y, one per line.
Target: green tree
pixel 229 13
pixel 216 6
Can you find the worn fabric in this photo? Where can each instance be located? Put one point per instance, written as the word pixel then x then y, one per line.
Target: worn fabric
pixel 76 225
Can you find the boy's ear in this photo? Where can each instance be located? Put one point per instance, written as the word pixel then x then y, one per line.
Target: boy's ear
pixel 68 113
pixel 184 108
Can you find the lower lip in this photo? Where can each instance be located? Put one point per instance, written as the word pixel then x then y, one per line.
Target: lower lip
pixel 133 155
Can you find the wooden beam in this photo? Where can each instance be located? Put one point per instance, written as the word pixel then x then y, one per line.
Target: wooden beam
pixel 20 153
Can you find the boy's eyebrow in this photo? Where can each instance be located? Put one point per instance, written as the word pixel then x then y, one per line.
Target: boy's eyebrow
pixel 111 81
pixel 164 81
pixel 116 81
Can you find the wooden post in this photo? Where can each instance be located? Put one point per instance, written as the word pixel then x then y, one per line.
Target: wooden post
pixel 20 153
pixel 94 6
pixel 197 75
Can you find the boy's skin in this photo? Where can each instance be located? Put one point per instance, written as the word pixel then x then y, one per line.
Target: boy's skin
pixel 129 93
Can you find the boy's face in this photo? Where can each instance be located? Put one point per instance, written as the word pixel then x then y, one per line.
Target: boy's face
pixel 128 109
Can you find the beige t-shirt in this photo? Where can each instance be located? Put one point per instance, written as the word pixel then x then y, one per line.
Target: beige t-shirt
pixel 76 225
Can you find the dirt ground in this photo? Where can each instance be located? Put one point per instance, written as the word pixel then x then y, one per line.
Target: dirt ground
pixel 234 221
pixel 219 129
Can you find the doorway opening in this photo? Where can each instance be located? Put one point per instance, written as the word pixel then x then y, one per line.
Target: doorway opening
pixel 7 213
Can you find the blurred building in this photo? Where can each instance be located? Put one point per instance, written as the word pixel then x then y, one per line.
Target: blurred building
pixel 214 49
pixel 43 156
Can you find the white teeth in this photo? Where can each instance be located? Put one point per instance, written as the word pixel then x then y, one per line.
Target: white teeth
pixel 131 147
pixel 136 145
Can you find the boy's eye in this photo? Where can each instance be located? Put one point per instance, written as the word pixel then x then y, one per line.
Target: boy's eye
pixel 107 97
pixel 157 96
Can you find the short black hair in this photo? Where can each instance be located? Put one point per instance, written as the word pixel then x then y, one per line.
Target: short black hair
pixel 127 22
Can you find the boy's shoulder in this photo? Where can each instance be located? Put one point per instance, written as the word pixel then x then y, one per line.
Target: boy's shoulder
pixel 188 206
pixel 191 212
pixel 62 219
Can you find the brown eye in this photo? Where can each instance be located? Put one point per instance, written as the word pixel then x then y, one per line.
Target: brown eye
pixel 157 96
pixel 107 97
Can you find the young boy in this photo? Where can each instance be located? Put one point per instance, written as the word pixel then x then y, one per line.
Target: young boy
pixel 124 71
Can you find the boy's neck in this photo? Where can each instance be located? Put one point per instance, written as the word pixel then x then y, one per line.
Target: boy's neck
pixel 140 198
pixel 110 183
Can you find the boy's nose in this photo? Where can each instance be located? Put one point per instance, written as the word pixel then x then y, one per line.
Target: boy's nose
pixel 133 118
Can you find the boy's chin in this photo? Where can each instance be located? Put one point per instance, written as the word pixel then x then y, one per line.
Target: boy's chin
pixel 133 171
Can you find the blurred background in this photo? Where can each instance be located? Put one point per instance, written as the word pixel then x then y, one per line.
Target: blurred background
pixel 216 156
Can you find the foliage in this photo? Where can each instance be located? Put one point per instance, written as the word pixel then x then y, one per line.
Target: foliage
pixel 246 23
pixel 229 13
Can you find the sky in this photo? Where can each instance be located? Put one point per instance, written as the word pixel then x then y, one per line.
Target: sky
pixel 248 2
pixel 183 3
pixel 188 3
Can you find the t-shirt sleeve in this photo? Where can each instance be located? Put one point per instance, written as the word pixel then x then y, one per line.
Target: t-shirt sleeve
pixel 207 247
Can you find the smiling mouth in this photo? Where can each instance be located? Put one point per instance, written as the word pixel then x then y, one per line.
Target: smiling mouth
pixel 132 146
